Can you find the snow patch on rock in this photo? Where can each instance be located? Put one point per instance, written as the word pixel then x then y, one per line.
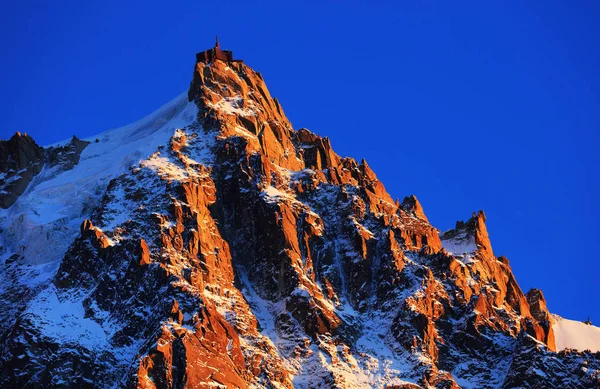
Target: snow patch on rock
pixel 63 319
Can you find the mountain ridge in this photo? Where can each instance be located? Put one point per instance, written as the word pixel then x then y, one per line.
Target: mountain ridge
pixel 252 255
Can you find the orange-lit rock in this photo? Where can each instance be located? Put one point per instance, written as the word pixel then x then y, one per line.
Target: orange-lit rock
pixel 243 254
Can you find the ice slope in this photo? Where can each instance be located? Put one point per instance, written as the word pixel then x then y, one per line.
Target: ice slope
pixel 50 212
pixel 575 334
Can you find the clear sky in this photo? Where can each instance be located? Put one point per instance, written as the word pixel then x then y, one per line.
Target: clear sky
pixel 490 105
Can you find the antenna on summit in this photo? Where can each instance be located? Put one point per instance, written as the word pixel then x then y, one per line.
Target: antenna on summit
pixel 216 54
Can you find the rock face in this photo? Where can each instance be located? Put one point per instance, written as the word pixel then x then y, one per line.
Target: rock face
pixel 67 156
pixel 241 253
pixel 539 311
pixel 20 160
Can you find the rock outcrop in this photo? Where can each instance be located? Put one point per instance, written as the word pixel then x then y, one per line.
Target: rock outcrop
pixel 539 311
pixel 67 156
pixel 244 254
pixel 21 159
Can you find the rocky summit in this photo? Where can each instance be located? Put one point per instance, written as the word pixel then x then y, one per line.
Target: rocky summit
pixel 212 245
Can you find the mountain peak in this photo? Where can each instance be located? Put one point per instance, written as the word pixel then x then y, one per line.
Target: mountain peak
pixel 412 205
pixel 212 245
pixel 20 160
pixel 470 236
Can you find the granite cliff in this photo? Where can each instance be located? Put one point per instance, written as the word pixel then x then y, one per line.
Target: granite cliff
pixel 213 245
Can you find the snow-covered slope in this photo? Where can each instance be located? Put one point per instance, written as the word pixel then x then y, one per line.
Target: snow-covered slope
pixel 575 335
pixel 56 202
pixel 43 223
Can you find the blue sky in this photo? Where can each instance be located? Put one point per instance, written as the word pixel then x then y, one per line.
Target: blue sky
pixel 468 105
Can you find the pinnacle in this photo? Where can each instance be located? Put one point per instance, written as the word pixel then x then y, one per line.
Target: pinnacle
pixel 235 247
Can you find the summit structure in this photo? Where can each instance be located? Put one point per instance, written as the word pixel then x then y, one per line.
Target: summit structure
pixel 216 54
pixel 212 245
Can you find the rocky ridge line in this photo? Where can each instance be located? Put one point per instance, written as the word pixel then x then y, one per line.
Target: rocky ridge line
pixel 246 254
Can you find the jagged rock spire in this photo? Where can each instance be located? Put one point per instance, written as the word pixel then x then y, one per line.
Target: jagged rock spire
pixel 237 229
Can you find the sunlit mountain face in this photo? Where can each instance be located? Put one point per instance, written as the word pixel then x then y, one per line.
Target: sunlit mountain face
pixel 212 245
